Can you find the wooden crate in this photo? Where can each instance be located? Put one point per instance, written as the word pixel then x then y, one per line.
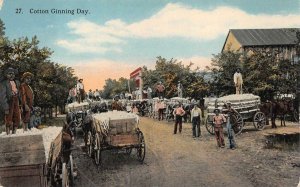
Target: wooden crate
pixel 22 161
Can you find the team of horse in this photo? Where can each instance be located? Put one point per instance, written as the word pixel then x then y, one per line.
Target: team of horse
pixel 275 108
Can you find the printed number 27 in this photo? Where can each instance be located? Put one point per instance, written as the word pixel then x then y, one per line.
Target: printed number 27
pixel 18 10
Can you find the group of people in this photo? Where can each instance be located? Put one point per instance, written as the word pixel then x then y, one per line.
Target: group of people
pixel 17 100
pixel 218 121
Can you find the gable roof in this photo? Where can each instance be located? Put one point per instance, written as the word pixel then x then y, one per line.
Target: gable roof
pixel 264 37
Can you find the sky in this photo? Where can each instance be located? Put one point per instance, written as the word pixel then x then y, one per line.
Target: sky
pixel 105 39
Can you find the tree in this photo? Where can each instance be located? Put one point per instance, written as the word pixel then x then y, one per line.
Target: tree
pixel 223 68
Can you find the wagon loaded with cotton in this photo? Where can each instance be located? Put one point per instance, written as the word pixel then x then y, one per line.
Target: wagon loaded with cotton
pixel 246 108
pixel 115 130
pixel 35 158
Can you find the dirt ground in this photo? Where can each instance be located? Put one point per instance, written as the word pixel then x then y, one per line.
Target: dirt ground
pixel 180 160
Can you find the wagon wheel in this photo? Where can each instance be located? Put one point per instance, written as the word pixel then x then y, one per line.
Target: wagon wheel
pixel 209 126
pixel 128 151
pixel 89 144
pixel 295 115
pixel 238 123
pixel 141 150
pixel 97 148
pixel 65 176
pixel 259 120
pixel 71 171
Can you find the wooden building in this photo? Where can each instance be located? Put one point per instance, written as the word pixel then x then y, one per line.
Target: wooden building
pixel 280 42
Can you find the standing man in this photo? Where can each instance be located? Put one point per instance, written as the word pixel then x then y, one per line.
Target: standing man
pixel 72 94
pixel 178 113
pixel 230 132
pixel 97 95
pixel 179 89
pixel 26 99
pixel 80 91
pixel 149 93
pixel 10 100
pixel 196 119
pixel 218 120
pixel 161 107
pixel 160 90
pixel 238 81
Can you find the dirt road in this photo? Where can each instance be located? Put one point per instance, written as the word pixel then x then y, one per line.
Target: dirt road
pixel 180 160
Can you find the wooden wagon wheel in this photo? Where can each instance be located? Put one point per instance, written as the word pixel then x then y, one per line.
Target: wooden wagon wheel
pixel 97 148
pixel 128 151
pixel 90 144
pixel 71 171
pixel 141 150
pixel 259 120
pixel 65 176
pixel 209 126
pixel 237 123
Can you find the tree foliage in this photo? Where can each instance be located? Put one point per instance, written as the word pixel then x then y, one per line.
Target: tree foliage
pixel 51 81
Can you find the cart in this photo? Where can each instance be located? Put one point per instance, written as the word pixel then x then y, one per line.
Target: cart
pixel 246 108
pixel 34 159
pixel 115 130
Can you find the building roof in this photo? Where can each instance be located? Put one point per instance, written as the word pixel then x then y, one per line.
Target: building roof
pixel 264 37
pixel 250 37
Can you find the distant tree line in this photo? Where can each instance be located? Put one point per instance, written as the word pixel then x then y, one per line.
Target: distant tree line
pixel 264 74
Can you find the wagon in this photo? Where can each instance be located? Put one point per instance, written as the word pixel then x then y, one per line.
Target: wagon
pixel 246 108
pixel 35 158
pixel 115 130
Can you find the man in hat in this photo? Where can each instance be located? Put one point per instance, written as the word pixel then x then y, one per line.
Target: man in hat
pixel 80 91
pixel 27 96
pixel 218 120
pixel 238 81
pixel 178 113
pixel 160 90
pixel 179 89
pixel 10 100
pixel 196 114
pixel 230 133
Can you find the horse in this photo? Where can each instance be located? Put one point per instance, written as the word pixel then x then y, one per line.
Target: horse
pixel 276 108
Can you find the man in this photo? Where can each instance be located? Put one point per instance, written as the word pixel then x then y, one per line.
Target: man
pixel 27 96
pixel 116 105
pixel 90 94
pixel 230 132
pixel 218 120
pixel 10 100
pixel 72 94
pixel 149 93
pixel 160 90
pixel 196 119
pixel 179 89
pixel 178 113
pixel 80 91
pixel 97 95
pixel 238 81
pixel 161 107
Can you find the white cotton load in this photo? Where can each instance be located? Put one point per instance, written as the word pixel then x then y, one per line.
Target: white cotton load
pixel 77 106
pixel 115 122
pixel 239 98
pixel 49 134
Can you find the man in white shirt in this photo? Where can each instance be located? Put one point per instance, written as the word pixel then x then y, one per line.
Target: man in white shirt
pixel 196 114
pixel 238 81
pixel 80 91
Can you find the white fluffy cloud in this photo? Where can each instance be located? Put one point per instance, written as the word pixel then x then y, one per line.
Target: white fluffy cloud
pixel 1 3
pixel 174 20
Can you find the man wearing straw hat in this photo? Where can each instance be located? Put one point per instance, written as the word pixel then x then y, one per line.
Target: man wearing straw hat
pixel 218 120
pixel 10 99
pixel 26 99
